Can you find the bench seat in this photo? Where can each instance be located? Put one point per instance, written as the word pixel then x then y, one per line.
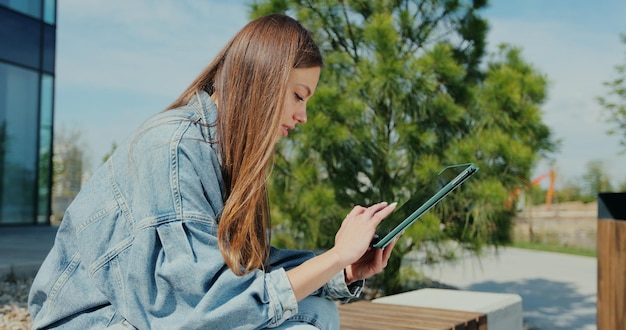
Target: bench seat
pixel 365 315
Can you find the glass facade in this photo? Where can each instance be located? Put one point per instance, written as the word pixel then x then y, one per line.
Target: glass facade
pixel 27 57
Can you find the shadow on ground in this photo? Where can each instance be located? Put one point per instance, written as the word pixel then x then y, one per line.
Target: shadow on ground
pixel 548 304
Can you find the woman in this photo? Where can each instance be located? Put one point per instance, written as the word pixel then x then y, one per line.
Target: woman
pixel 171 231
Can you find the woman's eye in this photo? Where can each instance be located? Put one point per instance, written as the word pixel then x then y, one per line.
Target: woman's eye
pixel 298 97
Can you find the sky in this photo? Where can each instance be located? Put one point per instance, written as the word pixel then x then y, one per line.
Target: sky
pixel 119 62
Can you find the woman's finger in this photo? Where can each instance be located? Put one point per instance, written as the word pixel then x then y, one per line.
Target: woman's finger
pixel 382 211
pixel 372 210
pixel 356 210
pixel 389 248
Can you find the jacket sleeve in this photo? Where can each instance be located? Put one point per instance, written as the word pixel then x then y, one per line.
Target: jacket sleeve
pixel 188 286
pixel 336 288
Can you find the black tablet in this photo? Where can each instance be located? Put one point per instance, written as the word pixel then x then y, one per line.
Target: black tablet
pixel 447 180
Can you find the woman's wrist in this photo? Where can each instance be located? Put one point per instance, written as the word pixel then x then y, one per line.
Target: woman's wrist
pixel 348 276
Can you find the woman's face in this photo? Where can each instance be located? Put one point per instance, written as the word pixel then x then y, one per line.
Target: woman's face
pixel 300 88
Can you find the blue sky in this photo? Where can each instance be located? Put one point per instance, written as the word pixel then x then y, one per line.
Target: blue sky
pixel 119 62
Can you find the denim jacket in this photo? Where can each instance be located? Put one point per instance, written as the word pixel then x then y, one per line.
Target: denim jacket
pixel 138 246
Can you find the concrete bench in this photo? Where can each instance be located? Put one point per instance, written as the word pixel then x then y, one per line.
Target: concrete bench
pixel 503 310
pixel 365 315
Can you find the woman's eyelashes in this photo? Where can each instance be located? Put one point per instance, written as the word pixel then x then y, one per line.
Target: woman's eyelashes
pixel 298 97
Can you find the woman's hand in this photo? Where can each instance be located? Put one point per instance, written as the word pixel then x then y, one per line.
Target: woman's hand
pixel 352 241
pixel 351 253
pixel 371 263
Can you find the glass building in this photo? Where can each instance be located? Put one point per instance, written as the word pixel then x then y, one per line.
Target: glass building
pixel 27 56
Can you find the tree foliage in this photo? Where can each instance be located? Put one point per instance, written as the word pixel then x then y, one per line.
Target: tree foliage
pixel 595 180
pixel 67 163
pixel 404 93
pixel 614 104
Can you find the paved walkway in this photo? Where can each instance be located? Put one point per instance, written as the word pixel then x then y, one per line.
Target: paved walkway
pixel 23 249
pixel 558 291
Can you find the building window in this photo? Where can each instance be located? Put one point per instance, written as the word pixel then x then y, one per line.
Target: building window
pixel 49 42
pixel 19 108
pixel 45 149
pixel 27 7
pixel 20 39
pixel 27 64
pixel 49 11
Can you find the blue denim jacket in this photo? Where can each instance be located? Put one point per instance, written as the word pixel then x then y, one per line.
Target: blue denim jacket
pixel 138 246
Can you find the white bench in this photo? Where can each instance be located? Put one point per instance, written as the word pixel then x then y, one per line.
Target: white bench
pixel 503 310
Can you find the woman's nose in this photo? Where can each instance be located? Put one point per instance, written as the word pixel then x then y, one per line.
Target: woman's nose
pixel 300 116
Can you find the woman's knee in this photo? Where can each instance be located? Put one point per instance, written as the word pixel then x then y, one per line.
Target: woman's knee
pixel 321 313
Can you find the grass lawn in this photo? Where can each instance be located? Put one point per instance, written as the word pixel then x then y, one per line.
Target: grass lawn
pixel 555 248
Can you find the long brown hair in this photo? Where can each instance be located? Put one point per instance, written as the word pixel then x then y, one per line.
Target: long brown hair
pixel 248 78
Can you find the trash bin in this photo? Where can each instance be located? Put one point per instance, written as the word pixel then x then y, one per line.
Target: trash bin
pixel 611 306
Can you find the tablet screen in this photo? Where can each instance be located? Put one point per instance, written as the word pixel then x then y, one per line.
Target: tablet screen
pixel 423 199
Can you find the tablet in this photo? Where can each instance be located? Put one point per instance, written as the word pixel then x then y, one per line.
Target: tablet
pixel 447 180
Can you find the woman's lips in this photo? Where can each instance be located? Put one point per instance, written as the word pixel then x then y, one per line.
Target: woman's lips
pixel 285 130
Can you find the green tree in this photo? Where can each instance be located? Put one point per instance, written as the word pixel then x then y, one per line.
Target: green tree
pixel 570 191
pixel 614 104
pixel 402 94
pixel 536 195
pixel 68 163
pixel 595 180
pixel 622 186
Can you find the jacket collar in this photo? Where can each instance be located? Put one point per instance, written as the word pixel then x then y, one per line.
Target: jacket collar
pixel 204 105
